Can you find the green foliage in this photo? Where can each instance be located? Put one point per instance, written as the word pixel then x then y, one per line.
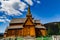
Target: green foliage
pixel 59 29
pixel 53 28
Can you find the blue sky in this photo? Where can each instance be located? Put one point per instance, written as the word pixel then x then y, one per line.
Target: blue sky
pixel 44 10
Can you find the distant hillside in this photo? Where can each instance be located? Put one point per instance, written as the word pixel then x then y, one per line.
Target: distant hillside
pixel 53 28
pixel 1 35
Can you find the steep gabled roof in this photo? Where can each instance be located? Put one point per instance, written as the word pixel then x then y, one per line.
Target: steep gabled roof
pixel 18 20
pixel 28 22
pixel 22 20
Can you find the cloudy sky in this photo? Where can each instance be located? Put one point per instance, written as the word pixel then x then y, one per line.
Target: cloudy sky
pixel 44 10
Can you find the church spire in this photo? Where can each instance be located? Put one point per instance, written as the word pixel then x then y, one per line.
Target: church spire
pixel 29 12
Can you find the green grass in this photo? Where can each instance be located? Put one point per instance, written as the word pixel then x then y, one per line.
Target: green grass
pixel 38 38
pixel 44 38
pixel 19 38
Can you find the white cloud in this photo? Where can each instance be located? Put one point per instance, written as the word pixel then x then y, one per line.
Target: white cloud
pixel 30 2
pixel 10 7
pixel 22 6
pixel 4 19
pixel 13 7
pixel 38 1
pixel 7 20
pixel 1 20
pixel 3 16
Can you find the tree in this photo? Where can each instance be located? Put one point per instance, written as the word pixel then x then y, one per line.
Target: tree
pixel 59 28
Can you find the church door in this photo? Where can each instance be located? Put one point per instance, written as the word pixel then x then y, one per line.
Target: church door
pixel 29 31
pixel 26 31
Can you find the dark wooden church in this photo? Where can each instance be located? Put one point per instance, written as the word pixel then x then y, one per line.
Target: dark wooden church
pixel 23 27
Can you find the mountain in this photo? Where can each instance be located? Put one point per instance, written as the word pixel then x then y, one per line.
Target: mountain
pixel 53 28
pixel 1 35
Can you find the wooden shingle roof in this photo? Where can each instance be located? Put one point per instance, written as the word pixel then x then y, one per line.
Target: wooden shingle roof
pixel 36 21
pixel 39 26
pixel 18 20
pixel 22 20
pixel 14 27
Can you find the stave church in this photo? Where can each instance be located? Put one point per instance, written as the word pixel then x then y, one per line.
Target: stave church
pixel 23 27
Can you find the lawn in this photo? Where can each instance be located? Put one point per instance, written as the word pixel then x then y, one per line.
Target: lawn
pixel 44 38
pixel 38 38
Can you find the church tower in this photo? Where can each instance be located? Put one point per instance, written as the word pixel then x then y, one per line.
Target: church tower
pixel 29 25
pixel 29 13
